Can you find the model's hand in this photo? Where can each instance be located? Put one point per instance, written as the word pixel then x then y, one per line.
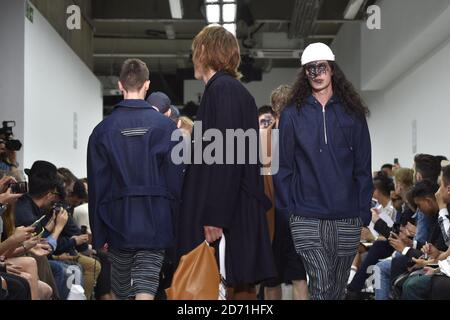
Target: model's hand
pixel 212 233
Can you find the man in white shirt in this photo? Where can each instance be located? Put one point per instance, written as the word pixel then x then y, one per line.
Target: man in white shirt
pixel 443 200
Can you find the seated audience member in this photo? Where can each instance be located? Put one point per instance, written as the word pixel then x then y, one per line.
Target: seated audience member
pixel 35 267
pixel 388 169
pixel 382 194
pixel 12 251
pixel 431 283
pixel 80 201
pixel 13 287
pixel 387 195
pixel 424 196
pixel 7 198
pixel 46 191
pixel 96 266
pixel 426 167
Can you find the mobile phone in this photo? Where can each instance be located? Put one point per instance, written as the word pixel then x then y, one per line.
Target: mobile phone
pixel 393 234
pixel 433 265
pixel 40 233
pixel 83 229
pixel 396 161
pixel 36 223
pixel 19 187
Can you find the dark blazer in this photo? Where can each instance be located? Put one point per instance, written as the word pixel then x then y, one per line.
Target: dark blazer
pixel 132 179
pixel 230 196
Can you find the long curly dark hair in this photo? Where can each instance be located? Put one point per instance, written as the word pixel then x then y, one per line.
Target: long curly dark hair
pixel 342 88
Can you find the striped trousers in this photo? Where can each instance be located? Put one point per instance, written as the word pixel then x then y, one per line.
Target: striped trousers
pixel 327 248
pixel 135 271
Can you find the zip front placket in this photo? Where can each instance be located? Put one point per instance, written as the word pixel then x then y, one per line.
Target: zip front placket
pixel 324 125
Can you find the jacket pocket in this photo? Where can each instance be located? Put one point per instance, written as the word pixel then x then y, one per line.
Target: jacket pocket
pixel 349 235
pixel 305 233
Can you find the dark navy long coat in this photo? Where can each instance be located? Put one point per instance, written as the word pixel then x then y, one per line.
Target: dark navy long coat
pixel 227 196
pixel 132 180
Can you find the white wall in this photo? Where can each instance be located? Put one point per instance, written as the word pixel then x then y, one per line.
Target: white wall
pixel 11 65
pixel 349 37
pixel 260 90
pixel 422 95
pixel 409 30
pixel 57 85
pixel 404 73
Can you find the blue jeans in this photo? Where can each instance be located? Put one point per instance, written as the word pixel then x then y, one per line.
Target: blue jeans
pixel 379 250
pixel 59 274
pixel 383 291
pixel 423 227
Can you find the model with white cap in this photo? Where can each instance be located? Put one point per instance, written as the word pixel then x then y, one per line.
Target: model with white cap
pixel 324 183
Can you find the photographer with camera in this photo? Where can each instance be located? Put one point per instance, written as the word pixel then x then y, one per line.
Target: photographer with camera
pixel 7 197
pixel 8 148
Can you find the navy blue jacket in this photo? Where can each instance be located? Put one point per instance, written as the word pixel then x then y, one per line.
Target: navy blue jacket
pixel 132 180
pixel 325 163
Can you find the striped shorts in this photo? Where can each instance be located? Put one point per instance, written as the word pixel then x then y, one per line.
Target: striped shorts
pixel 327 248
pixel 135 271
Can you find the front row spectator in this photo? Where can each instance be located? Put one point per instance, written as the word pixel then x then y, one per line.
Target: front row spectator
pixel 18 242
pixel 429 282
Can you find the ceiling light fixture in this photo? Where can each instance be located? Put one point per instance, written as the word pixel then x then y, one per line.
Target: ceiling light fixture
pixel 352 9
pixel 176 9
pixel 222 12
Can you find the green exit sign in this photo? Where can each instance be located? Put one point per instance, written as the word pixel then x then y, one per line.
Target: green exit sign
pixel 29 12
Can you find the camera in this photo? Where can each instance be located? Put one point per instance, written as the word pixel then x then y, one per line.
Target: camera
pixel 373 204
pixel 6 130
pixel 396 228
pixel 59 206
pixel 83 229
pixel 19 187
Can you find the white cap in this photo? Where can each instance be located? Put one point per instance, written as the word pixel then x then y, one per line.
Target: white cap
pixel 316 52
